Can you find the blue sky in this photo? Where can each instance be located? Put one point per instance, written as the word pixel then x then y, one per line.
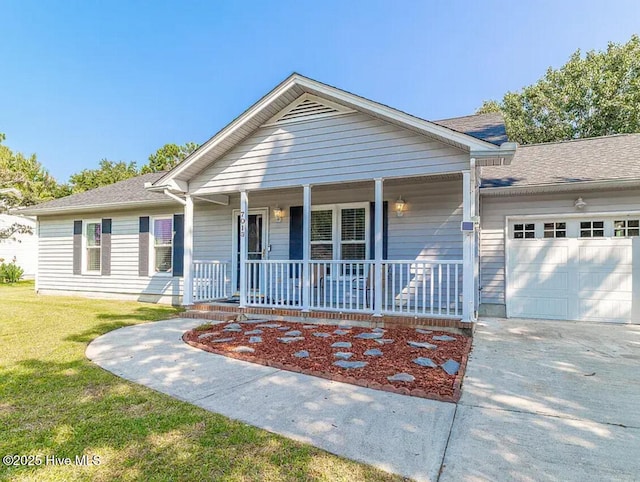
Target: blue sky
pixel 86 80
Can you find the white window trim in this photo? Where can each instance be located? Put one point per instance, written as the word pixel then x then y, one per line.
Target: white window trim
pixel 85 271
pixel 626 227
pixel 152 245
pixel 592 228
pixel 524 230
pixel 336 235
pixel 554 230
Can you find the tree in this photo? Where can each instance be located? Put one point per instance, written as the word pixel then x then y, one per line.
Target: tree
pixel 15 228
pixel 594 95
pixel 108 173
pixel 26 175
pixel 168 156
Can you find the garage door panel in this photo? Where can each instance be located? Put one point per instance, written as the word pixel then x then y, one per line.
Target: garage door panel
pixel 573 278
pixel 604 310
pixel 545 307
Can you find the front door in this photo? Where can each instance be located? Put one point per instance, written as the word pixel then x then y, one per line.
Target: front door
pixel 256 240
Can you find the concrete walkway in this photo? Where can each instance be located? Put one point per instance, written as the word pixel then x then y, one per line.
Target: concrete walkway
pixel 541 400
pixel 405 435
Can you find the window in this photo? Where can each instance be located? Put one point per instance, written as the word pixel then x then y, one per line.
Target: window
pixel 555 230
pixel 524 231
pixel 163 244
pixel 627 227
pixel 93 232
pixel 591 229
pixel 339 232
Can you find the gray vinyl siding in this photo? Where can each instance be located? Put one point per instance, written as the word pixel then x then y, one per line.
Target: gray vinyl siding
pixel 429 229
pixel 55 255
pixel 348 147
pixel 494 211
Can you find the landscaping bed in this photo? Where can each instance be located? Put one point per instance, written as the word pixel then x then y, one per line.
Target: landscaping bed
pixel 411 361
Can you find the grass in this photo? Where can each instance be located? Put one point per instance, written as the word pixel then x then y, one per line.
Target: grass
pixel 55 402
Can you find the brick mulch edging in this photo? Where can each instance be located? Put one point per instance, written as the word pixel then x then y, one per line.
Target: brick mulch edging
pixel 188 337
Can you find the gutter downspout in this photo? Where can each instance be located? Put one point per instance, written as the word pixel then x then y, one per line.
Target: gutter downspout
pixel 173 196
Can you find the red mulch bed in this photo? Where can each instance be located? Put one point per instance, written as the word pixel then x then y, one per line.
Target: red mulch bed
pixel 433 383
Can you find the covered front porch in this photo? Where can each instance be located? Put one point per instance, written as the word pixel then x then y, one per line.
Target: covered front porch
pixel 348 247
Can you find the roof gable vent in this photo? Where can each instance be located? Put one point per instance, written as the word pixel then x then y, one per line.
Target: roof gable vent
pixel 307 107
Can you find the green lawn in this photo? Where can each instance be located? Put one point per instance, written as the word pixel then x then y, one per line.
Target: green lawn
pixel 54 402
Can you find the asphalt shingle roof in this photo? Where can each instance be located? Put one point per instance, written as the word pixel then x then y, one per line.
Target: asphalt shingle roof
pixel 127 191
pixel 487 127
pixel 591 159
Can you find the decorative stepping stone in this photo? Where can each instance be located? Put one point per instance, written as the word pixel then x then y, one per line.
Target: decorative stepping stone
pixel 290 339
pixel 222 340
pixel 252 322
pixel 293 333
pixel 255 339
pixel 341 332
pixel 301 354
pixel 284 328
pixel 344 355
pixel 422 344
pixel 309 327
pixel 207 335
pixel 451 366
pixel 233 326
pixel 253 332
pixel 425 362
pixel 243 349
pixel 400 377
pixel 350 364
pixel 378 330
pixel 373 352
pixel 232 330
pixel 322 335
pixel 345 327
pixel 341 344
pixel 269 325
pixel 383 341
pixel 369 336
pixel 423 332
pixel 443 338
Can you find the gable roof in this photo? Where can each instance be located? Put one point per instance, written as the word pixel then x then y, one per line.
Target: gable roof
pixel 488 127
pixel 577 162
pixel 130 192
pixel 287 92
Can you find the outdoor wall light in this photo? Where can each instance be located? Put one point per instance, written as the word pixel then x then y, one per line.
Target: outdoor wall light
pixel 579 204
pixel 400 205
pixel 278 213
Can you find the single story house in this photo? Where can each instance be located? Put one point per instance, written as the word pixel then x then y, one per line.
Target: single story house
pixel 318 200
pixel 20 247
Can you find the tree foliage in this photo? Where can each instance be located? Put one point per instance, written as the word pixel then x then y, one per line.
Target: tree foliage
pixel 592 95
pixel 168 156
pixel 10 231
pixel 27 175
pixel 108 173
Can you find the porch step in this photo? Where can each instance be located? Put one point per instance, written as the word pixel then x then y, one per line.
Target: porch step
pixel 210 315
pixel 219 308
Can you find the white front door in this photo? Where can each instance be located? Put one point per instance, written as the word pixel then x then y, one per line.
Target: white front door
pixel 256 232
pixel 585 269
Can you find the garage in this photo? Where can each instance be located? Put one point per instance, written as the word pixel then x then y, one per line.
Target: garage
pixel 584 268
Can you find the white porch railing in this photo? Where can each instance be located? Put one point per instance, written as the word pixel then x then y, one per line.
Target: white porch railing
pixel 415 288
pixel 211 280
pixel 422 287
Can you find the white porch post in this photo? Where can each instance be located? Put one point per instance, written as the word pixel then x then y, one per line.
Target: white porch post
pixel 379 204
pixel 306 247
pixel 468 246
pixel 187 280
pixel 244 213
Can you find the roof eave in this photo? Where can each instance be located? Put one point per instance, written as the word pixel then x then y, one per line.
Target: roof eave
pixel 429 128
pixel 35 211
pixel 559 188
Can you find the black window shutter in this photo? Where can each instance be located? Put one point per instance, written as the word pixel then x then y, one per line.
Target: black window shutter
pixel 77 247
pixel 178 244
pixel 143 246
pixel 105 247
pixel 385 229
pixel 296 249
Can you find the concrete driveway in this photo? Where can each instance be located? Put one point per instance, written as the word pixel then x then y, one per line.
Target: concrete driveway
pixel 541 400
pixel 548 400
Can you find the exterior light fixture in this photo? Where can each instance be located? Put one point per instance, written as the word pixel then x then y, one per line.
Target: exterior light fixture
pixel 400 205
pixel 278 213
pixel 579 204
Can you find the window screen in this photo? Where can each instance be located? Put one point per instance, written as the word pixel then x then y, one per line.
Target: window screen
pixel 163 244
pixel 93 235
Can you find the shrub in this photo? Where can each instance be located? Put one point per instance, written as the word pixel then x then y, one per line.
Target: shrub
pixel 204 327
pixel 10 272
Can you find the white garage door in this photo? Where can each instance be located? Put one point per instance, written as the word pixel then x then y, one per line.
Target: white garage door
pixel 574 269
